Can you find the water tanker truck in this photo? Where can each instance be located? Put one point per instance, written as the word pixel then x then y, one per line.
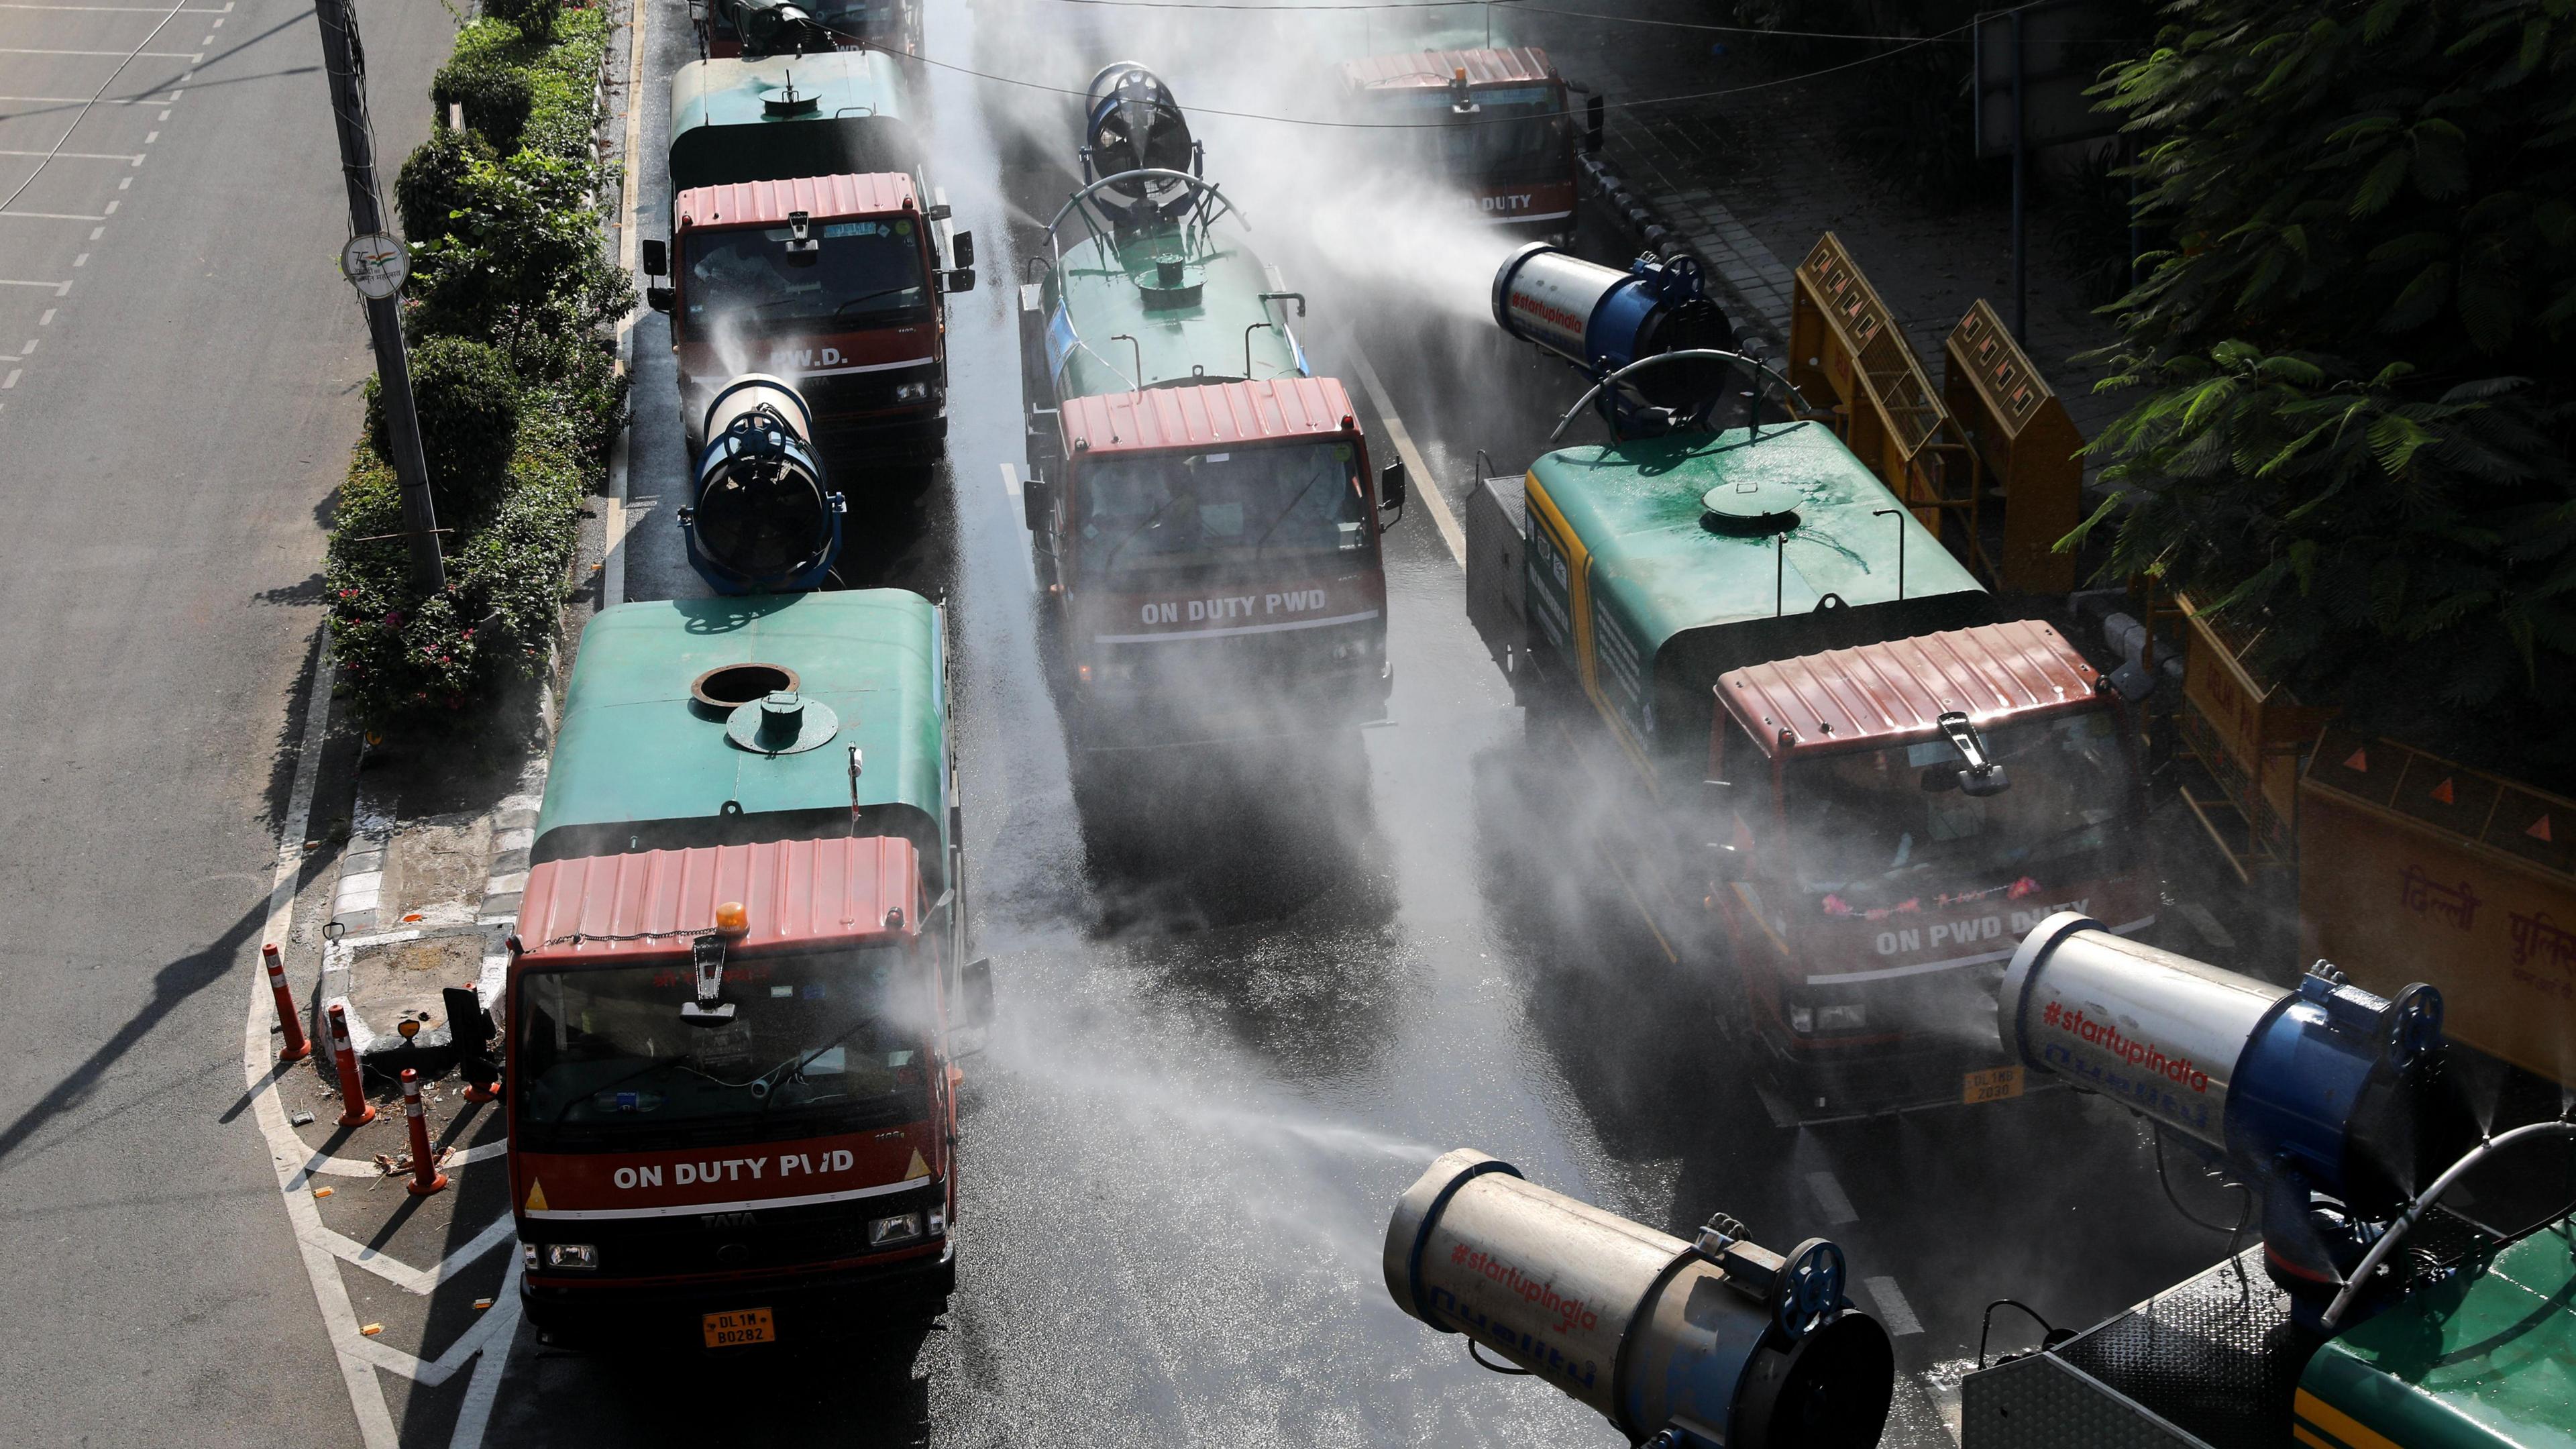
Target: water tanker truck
pixel 1495 125
pixel 729 28
pixel 736 975
pixel 1818 733
pixel 807 242
pixel 1203 513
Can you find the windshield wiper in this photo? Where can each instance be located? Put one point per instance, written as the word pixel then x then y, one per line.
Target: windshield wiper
pixel 1150 520
pixel 1263 542
pixel 655 1065
pixel 849 302
pixel 784 1072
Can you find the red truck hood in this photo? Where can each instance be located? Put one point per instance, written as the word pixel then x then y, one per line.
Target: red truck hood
pixel 1223 610
pixel 593 1185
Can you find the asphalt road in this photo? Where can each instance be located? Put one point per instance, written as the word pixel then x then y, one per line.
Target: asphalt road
pixel 179 370
pixel 1231 1037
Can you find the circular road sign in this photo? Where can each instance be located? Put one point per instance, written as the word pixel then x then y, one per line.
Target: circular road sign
pixel 375 264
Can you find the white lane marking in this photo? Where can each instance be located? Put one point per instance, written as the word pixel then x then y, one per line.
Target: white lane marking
pixel 13 379
pixel 165 115
pixel 323 1164
pixel 48 319
pixel 113 205
pixel 1831 1197
pixel 52 216
pixel 119 9
pixel 96 232
pixel 92 103
pixel 30 347
pixel 125 156
pixel 81 261
pixel 1894 1313
pixel 261 1072
pixel 420 1282
pixel 151 136
pixel 60 288
pixel 1028 553
pixel 129 181
pixel 1425 487
pixel 474 1416
pixel 86 100
pixel 2207 925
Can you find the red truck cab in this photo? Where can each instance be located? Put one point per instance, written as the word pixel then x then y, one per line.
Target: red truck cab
pixel 1864 885
pixel 832 282
pixel 1496 123
pixel 1211 556
pixel 731 1106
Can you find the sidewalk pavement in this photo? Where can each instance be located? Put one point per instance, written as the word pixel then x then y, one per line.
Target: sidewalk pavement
pixel 421 905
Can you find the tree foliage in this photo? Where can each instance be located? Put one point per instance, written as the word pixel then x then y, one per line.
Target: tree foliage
pixel 2360 412
pixel 520 265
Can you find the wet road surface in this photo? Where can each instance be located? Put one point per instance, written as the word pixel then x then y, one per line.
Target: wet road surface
pixel 1230 1038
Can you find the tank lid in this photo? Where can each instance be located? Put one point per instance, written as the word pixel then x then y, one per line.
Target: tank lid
pixel 1753 506
pixel 782 723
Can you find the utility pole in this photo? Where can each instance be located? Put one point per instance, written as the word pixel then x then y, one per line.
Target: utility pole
pixel 376 265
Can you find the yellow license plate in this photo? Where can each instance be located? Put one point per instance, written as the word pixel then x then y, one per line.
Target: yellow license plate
pixel 738 1327
pixel 1991 1085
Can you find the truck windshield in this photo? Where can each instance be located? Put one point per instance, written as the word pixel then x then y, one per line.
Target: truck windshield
pixel 866 273
pixel 1863 821
pixel 830 1041
pixel 1176 517
pixel 1516 134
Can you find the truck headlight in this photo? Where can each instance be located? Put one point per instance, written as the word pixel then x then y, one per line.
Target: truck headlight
pixel 573 1257
pixel 938 1221
pixel 901 1228
pixel 911 391
pixel 1849 1017
pixel 1802 1019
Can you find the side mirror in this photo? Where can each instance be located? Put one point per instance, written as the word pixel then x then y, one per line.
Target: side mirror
pixel 1593 107
pixel 938 211
pixel 658 298
pixel 1037 505
pixel 1390 486
pixel 975 992
pixel 960 280
pixel 657 259
pixel 961 250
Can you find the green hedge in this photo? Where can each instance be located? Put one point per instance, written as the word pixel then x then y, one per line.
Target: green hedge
pixel 520 399
pixel 562 77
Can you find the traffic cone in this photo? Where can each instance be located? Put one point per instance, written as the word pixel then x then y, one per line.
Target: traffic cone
pixel 355 1109
pixel 425 1176
pixel 296 1048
